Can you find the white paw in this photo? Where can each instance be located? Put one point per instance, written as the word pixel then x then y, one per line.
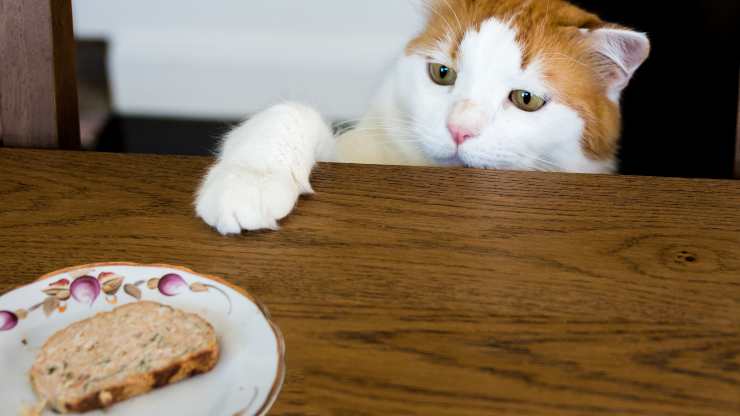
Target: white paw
pixel 233 198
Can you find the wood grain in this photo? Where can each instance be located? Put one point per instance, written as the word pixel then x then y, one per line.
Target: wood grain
pixel 38 91
pixel 433 291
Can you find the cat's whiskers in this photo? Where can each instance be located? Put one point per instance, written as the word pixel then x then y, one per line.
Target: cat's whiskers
pixel 391 142
pixel 395 131
pixel 399 135
pixel 430 8
pixel 390 130
pixel 359 121
pixel 454 13
pixel 565 58
pixel 386 122
pixel 540 163
pixel 523 160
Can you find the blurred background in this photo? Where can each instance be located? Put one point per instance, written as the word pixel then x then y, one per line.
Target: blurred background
pixel 171 76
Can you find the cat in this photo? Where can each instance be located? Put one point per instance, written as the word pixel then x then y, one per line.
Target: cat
pixel 492 84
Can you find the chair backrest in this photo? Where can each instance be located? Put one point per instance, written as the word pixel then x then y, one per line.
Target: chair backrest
pixel 38 88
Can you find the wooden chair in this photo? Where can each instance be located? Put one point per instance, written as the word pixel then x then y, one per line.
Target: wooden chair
pixel 38 89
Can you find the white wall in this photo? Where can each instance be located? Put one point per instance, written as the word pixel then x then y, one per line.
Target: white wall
pixel 228 58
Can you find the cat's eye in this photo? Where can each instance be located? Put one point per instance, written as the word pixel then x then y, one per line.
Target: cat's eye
pixel 442 74
pixel 526 101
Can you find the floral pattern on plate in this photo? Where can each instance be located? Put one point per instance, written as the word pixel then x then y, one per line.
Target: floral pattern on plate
pixel 86 289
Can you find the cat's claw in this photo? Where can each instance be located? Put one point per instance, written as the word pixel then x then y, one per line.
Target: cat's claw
pixel 235 198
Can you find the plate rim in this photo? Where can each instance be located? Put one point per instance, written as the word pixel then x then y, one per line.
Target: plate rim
pixel 277 384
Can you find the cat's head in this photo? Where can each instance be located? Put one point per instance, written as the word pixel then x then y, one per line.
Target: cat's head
pixel 518 84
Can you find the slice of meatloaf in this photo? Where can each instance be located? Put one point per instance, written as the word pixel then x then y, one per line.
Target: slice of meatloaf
pixel 117 355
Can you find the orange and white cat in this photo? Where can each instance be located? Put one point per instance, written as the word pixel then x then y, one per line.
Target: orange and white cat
pixel 494 84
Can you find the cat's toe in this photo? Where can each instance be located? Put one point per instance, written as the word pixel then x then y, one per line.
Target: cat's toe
pixel 227 224
pixel 261 200
pixel 233 199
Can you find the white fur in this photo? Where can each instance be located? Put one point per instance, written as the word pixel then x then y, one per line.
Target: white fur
pixel 265 164
pixel 263 168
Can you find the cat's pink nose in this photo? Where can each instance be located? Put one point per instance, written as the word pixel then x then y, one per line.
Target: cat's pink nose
pixel 466 121
pixel 461 134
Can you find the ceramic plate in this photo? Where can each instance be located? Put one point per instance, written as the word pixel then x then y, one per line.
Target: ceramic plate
pixel 246 380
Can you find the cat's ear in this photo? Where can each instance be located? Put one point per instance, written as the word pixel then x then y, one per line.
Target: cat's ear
pixel 620 52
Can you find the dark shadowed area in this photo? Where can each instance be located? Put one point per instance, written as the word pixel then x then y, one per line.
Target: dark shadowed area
pixel 680 113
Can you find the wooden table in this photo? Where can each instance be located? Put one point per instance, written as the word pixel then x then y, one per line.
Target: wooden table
pixel 433 291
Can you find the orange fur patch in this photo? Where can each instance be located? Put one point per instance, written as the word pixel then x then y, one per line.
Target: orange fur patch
pixel 549 31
